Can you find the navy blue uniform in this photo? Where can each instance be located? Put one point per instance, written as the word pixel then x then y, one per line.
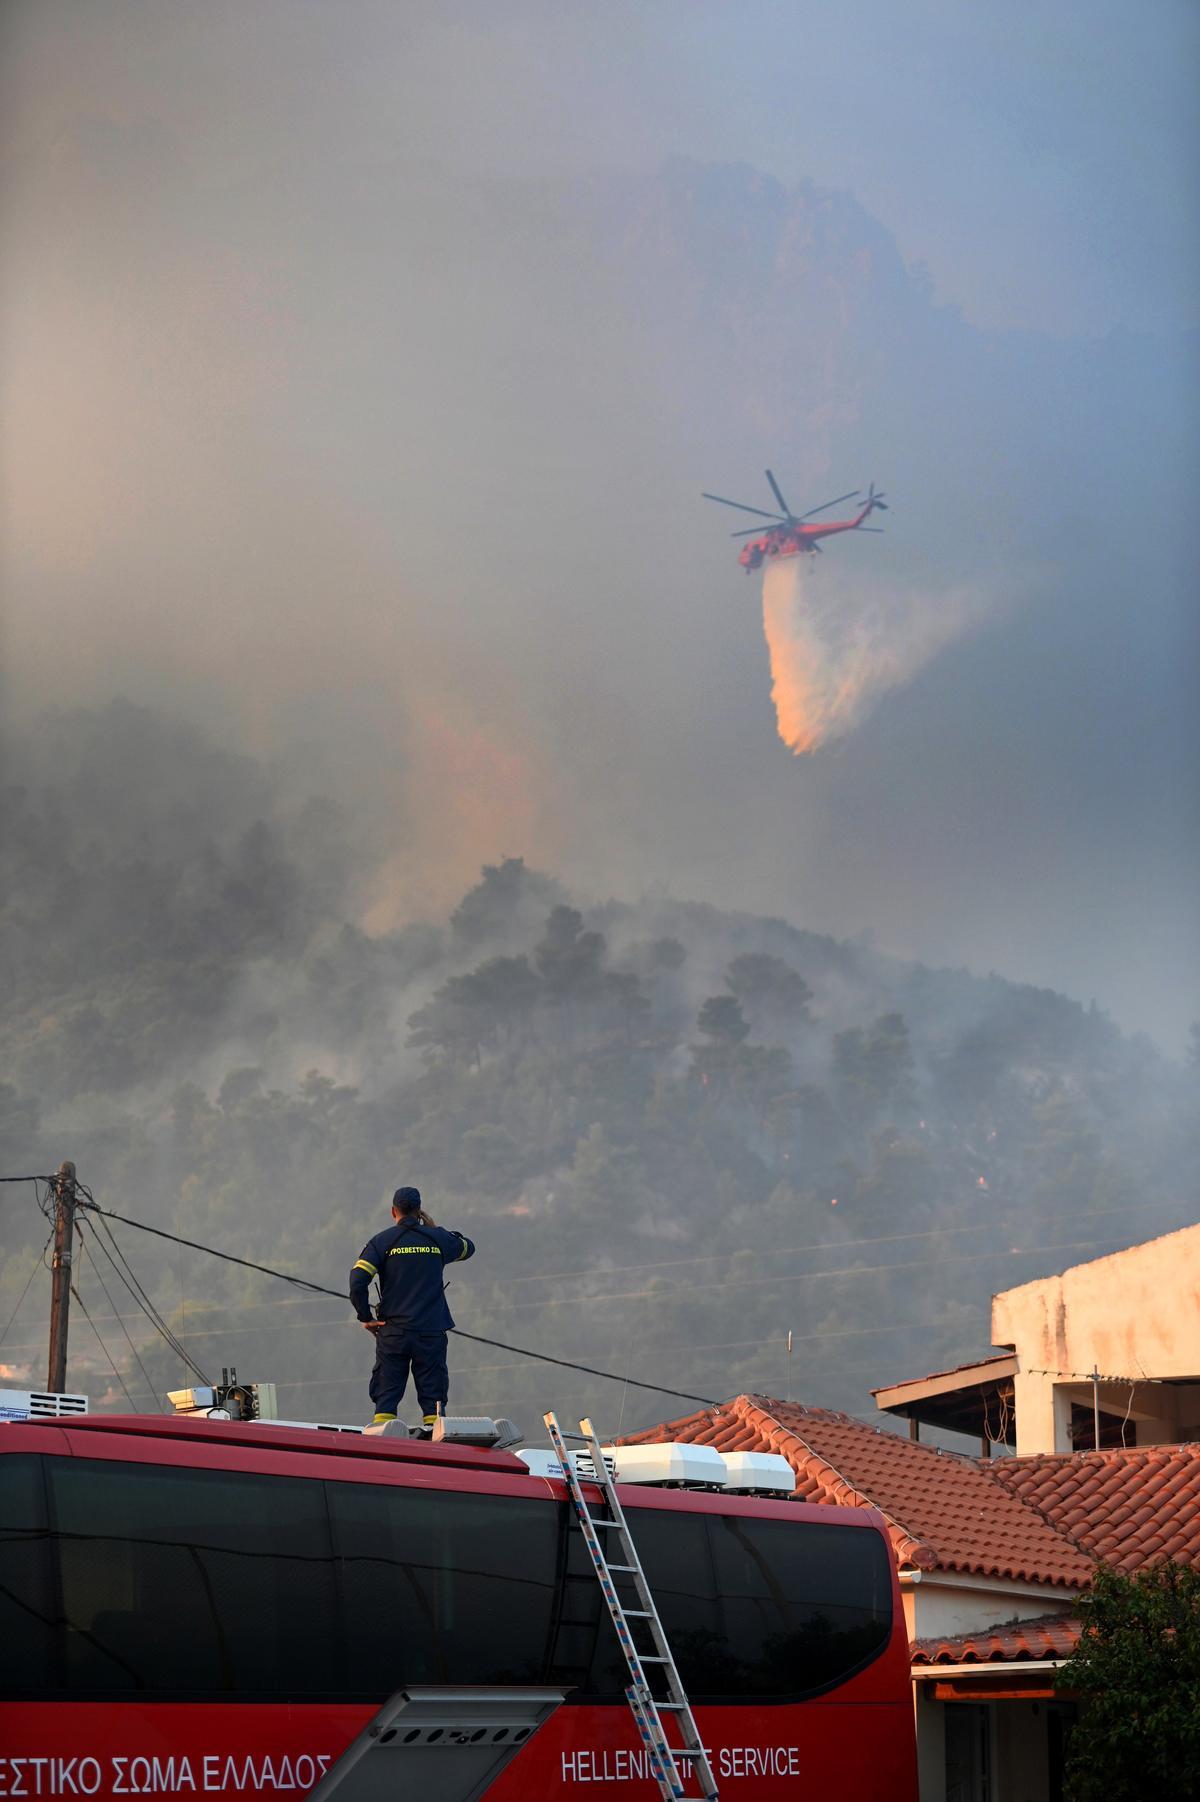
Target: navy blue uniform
pixel 409 1260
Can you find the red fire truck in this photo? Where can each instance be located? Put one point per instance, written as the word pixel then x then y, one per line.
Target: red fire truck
pixel 217 1608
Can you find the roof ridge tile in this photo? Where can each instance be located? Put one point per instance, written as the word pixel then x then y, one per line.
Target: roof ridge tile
pixel 909 1547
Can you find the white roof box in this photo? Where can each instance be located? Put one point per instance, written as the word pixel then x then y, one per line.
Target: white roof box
pixel 39 1404
pixel 671 1462
pixel 675 1463
pixel 758 1473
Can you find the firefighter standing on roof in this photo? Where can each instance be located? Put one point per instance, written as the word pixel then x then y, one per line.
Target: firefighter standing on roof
pixel 410 1333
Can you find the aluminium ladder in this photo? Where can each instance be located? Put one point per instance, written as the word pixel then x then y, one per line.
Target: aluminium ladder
pixel 666 1759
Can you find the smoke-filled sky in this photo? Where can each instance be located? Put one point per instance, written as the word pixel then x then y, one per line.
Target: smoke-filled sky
pixel 363 365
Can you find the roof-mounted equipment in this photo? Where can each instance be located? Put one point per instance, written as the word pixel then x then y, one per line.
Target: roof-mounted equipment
pixel 758 1473
pixel 39 1404
pixel 456 1429
pixel 226 1400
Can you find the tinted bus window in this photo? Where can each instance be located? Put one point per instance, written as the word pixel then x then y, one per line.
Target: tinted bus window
pixel 802 1606
pixel 750 1607
pixel 675 1555
pixel 27 1608
pixel 442 1587
pixel 193 1581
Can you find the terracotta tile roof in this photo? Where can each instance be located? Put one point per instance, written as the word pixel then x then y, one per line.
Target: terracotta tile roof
pixel 1126 1508
pixel 1015 1642
pixel 943 1512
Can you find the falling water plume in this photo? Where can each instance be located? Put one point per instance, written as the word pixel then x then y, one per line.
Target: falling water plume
pixel 835 650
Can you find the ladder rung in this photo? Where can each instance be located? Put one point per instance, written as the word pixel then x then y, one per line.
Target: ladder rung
pixel 676 1768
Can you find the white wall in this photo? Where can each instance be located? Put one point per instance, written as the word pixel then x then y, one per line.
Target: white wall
pixel 1136 1314
pixel 943 1609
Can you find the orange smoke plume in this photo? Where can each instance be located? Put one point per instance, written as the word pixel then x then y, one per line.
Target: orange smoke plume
pixel 834 651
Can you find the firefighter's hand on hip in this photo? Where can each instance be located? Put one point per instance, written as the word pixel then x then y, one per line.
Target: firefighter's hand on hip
pixel 372 1326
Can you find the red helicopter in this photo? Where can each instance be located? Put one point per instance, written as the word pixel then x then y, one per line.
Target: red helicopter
pixel 789 535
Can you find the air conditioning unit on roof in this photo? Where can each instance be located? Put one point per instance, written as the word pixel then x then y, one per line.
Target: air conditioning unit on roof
pixel 674 1462
pixel 39 1404
pixel 758 1473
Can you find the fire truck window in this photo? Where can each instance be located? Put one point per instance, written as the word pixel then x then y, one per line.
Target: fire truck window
pixel 675 1555
pixel 803 1605
pixel 454 1587
pixel 26 1587
pixel 585 1655
pixel 193 1582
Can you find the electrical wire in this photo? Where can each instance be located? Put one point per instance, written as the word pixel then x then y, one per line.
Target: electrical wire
pixel 321 1289
pixel 290 1301
pixel 1094 1376
pixel 936 1232
pixel 104 1348
pixel 39 1262
pixel 570 1363
pixel 128 1277
pixel 165 1331
pixel 846 1270
pixel 1128 1412
pixel 117 1317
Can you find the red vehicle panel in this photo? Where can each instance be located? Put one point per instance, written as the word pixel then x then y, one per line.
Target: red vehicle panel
pixel 104 1719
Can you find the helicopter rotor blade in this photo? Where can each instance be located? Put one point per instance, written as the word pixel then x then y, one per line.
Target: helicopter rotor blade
pixel 777 492
pixel 741 505
pixel 832 503
pixel 878 529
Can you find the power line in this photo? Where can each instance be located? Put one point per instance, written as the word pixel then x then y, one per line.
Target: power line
pixel 136 1290
pixel 104 1348
pixel 41 1260
pixel 594 1274
pixel 846 1270
pixel 936 1232
pixel 320 1289
pixel 112 1304
pixel 569 1363
pixel 848 1245
pixel 166 1332
pixel 844 1273
pixel 1094 1376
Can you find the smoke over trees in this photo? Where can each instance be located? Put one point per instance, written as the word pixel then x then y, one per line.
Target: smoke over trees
pixel 675 1132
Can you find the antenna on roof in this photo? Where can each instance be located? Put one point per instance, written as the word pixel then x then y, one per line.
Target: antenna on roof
pixel 788 1385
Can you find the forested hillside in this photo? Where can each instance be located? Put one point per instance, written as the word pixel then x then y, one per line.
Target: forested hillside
pixel 674 1132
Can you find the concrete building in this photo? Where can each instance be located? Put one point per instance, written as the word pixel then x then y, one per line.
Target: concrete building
pixel 1096 1388
pixel 992 1557
pixel 1106 1354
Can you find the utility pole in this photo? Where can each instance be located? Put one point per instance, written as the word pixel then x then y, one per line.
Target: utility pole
pixel 1095 1408
pixel 60 1275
